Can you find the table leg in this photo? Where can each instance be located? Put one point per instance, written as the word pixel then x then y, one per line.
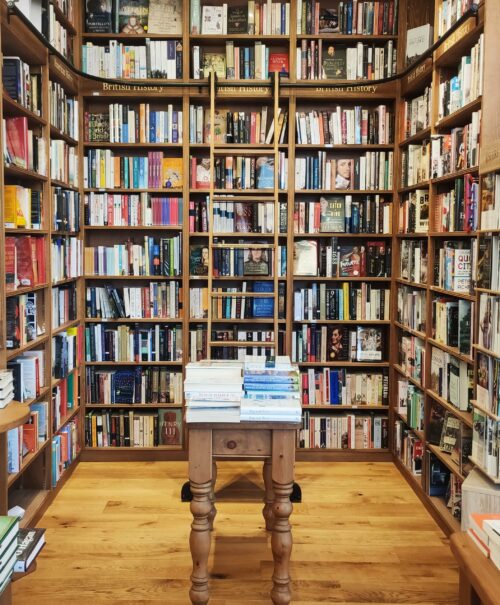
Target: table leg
pixel 267 511
pixel 283 457
pixel 213 512
pixel 200 479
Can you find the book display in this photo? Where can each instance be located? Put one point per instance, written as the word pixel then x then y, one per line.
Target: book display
pixel 233 179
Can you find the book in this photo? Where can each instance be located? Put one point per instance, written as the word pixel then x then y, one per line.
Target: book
pixel 351 260
pixel 338 343
pixel 170 427
pixel 418 40
pixel 265 172
pixel 98 16
pixel 165 17
pixel 215 61
pixel 450 433
pixel 132 16
pixel 278 62
pixel 172 172
pixel 332 214
pixel 305 257
pixel 328 21
pixel 369 344
pixel 30 543
pixel 198 259
pixel 237 20
pixel 334 63
pixel 211 20
pixel 263 307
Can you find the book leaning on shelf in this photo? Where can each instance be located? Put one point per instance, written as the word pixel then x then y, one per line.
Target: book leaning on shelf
pixel 124 16
pixel 22 147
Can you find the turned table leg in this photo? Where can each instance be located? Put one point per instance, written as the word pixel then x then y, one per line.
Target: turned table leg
pixel 283 456
pixel 200 478
pixel 267 511
pixel 213 511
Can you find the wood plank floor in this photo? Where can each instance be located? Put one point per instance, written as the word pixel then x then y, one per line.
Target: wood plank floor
pixel 118 533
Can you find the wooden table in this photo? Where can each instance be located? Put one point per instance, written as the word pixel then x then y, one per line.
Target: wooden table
pixel 274 442
pixel 479 578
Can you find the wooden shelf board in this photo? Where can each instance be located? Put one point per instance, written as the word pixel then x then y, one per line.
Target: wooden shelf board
pixel 63 185
pixel 489 413
pixel 27 461
pixel 450 51
pixel 57 381
pixel 64 20
pixel 374 322
pixel 411 284
pixel 452 293
pixel 133 363
pixel 448 234
pixel 22 231
pixel 131 406
pixel 387 192
pixel 242 343
pixel 339 364
pixel 465 417
pixel 419 235
pixel 460 117
pixel 342 235
pixel 130 37
pixel 495 480
pixel 454 175
pixel 353 279
pixel 64 282
pixel 74 412
pixel 16 171
pixel 346 146
pixel 419 136
pixel 444 513
pixel 56 133
pixel 137 145
pixel 335 407
pixel 251 320
pixel 128 449
pixel 494 354
pixel 488 291
pixel 418 432
pixel 135 320
pixel 134 277
pixel 414 381
pixel 132 190
pixel 408 188
pixel 40 340
pixel 13 108
pixel 336 37
pixel 13 415
pixel 452 350
pixel 133 228
pixel 414 480
pixel 65 326
pixel 358 451
pixel 406 328
pixel 445 459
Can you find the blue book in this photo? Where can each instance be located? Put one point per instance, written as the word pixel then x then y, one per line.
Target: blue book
pixel 263 307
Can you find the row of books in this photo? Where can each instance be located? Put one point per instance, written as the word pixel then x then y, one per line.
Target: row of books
pixel 490 201
pixel 234 217
pixel 343 214
pixel 408 448
pixel 198 215
pixel 103 169
pixel 364 17
pixel 345 126
pixel 453 265
pixel 451 378
pixel 485 533
pixel 458 150
pixel 64 113
pixel 339 387
pixel 65 258
pixel 64 305
pixel 155 59
pixel 256 340
pixel 155 301
pixel 21 85
pixel 25 319
pixel 487 390
pixel 133 343
pixel 351 431
pixel 337 343
pixel 64 162
pixel 156 256
pixel 22 441
pixel 28 371
pixel 413 261
pixel 65 447
pixel 345 302
pixel 417 113
pixel 322 60
pixel 488 267
pixel 134 124
pixel 6 388
pixel 236 126
pixel 240 307
pixel 132 210
pixel 443 484
pixel 414 212
pixel 450 11
pixel 25 263
pixel 243 172
pixel 485 450
pixel 415 164
pixel 66 351
pixel 65 397
pixel 128 428
pixel 23 207
pixel 411 404
pixel 457 209
pixel 411 357
pixel 373 170
pixel 466 86
pixel 66 210
pixel 155 16
pixel 489 322
pixel 254 18
pixel 451 323
pixel 411 307
pixel 330 259
pixel 59 37
pixel 240 262
pixel 22 147
pixel 139 385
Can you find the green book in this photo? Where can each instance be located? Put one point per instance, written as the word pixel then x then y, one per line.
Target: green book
pixel 9 528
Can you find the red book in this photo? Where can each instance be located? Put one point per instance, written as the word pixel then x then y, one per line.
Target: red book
pixel 30 437
pixel 25 273
pixel 10 263
pixel 17 140
pixel 278 62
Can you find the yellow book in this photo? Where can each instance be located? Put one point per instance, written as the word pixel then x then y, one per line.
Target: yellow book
pixel 172 172
pixel 15 207
pixel 345 288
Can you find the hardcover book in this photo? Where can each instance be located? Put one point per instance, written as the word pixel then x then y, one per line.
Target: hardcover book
pixel 198 259
pixel 170 427
pixel 278 62
pixel 132 17
pixel 30 542
pixel 265 172
pixel 215 61
pixel 369 344
pixel 237 20
pixel 98 16
pixel 338 343
pixel 256 262
pixel 165 17
pixel 211 20
pixel 332 214
pixel 328 21
pixel 305 257
pixel 172 172
pixel 334 63
pixel 351 260
pixel 263 307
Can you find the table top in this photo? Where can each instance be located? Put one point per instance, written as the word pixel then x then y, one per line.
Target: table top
pixel 238 426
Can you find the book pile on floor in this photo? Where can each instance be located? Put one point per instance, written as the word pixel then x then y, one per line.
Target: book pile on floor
pixel 272 390
pixel 9 530
pixel 6 387
pixel 213 391
pixel 30 542
pixel 485 533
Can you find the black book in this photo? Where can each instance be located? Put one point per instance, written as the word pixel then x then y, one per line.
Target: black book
pixel 237 20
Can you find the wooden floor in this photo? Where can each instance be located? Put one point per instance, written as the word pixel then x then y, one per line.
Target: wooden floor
pixel 118 533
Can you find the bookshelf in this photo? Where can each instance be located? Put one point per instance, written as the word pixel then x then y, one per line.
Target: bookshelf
pixel 190 217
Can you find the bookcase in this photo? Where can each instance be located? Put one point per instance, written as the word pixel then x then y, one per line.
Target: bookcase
pixel 225 183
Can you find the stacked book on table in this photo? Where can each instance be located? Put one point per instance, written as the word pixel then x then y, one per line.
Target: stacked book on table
pixel 272 390
pixel 213 391
pixel 9 532
pixel 6 387
pixel 485 533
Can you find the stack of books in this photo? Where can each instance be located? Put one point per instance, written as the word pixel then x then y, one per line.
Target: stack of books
pixel 272 390
pixel 485 533
pixel 29 543
pixel 6 387
pixel 213 391
pixel 9 531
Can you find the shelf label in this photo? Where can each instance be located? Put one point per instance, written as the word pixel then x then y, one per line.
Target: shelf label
pixel 457 35
pixel 261 91
pixel 353 89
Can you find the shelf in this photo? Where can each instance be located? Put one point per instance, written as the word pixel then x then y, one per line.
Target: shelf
pixel 132 406
pixel 418 432
pixel 353 279
pixel 465 417
pixel 416 235
pixel 10 170
pixel 63 185
pixel 460 117
pixel 13 415
pixel 74 412
pixel 417 137
pixel 344 407
pixel 129 37
pixel 345 146
pixel 32 500
pixel 444 513
pixel 147 320
pixel 137 145
pixel 495 480
pixel 360 451
pixel 488 291
pixel 134 447
pixel 451 50
pixel 242 343
pixel 63 20
pixel 131 190
pixel 463 295
pixel 411 284
pixel 13 108
pixel 133 277
pixel 448 234
pixel 55 133
pixel 245 234
pixel 375 322
pixel 340 364
pixel 414 480
pixel 454 175
pixel 445 458
pixel 133 363
pixel 486 351
pixel 252 320
pixel 44 393
pixel 414 381
pixel 451 350
pixel 65 326
pixel 416 333
pixel 64 282
pixel 18 231
pixel 387 192
pixel 27 461
pixel 336 37
pixel 342 235
pixel 133 228
pixel 40 340
pixel 57 381
pixel 408 188
pixel 25 290
pixel 487 412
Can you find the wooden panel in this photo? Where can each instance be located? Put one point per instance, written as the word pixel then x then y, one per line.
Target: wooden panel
pixel 240 442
